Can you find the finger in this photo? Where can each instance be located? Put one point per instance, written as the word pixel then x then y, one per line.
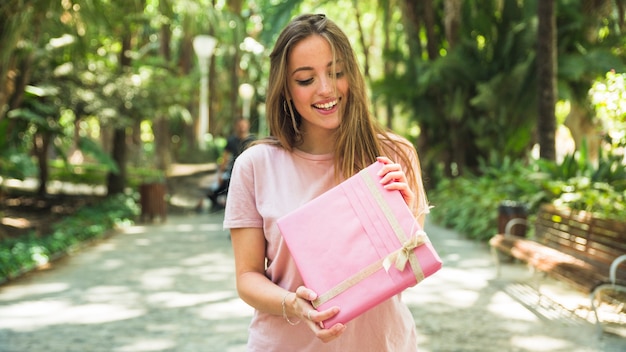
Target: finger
pixel 326 314
pixel 306 293
pixel 407 194
pixel 389 167
pixel 327 335
pixel 384 160
pixel 388 163
pixel 402 187
pixel 313 322
pixel 394 176
pixel 397 186
pixel 321 316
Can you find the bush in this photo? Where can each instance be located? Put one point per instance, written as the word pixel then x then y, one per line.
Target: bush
pixel 469 204
pixel 19 255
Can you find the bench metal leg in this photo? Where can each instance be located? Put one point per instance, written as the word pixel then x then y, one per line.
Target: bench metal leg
pixel 613 285
pixel 597 294
pixel 496 260
pixel 535 280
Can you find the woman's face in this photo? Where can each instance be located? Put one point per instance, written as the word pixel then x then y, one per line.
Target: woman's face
pixel 311 84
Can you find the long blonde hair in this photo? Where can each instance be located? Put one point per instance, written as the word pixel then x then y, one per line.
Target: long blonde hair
pixel 360 138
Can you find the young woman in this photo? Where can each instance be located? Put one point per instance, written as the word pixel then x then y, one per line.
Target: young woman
pixel 321 134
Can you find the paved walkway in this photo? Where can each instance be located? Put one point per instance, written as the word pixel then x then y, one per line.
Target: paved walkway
pixel 170 287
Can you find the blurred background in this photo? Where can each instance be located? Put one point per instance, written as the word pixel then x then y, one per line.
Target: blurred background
pixel 518 100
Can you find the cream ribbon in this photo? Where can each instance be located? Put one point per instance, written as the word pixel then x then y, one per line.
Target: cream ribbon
pixel 401 257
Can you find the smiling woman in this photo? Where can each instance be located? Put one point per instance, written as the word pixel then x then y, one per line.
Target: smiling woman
pixel 321 133
pixel 317 85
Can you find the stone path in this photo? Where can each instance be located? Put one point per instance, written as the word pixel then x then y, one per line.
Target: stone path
pixel 170 287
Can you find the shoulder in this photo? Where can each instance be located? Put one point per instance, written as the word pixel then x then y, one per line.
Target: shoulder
pixel 395 143
pixel 394 137
pixel 260 153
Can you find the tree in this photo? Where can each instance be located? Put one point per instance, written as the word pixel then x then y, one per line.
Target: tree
pixel 16 18
pixel 474 99
pixel 461 74
pixel 590 37
pixel 40 111
pixel 546 79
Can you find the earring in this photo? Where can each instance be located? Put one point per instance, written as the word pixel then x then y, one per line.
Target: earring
pixel 285 109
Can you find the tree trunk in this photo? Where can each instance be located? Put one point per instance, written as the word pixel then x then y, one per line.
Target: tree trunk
pixel 116 183
pixel 212 90
pixel 413 20
pixel 582 128
pixel 364 46
pixel 41 147
pixel 16 18
pixel 389 65
pixel 432 46
pixel 452 19
pixel 160 127
pixel 546 78
pixel 162 143
pixel 234 82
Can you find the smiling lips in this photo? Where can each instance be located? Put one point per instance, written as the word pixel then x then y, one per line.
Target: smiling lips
pixel 326 106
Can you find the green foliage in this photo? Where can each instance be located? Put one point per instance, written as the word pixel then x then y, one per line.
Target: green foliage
pixel 88 146
pixel 609 168
pixel 608 98
pixel 480 95
pixel 96 174
pixel 86 173
pixel 39 109
pixel 214 148
pixel 14 161
pixel 580 184
pixel 16 164
pixel 277 14
pixel 469 204
pixel 25 253
pixel 137 176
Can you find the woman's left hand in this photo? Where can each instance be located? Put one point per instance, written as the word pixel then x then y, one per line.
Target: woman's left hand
pixel 394 178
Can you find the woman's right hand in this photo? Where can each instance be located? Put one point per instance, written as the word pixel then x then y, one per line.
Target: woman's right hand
pixel 313 318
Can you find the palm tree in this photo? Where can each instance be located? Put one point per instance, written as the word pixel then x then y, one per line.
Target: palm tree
pixel 591 35
pixel 546 79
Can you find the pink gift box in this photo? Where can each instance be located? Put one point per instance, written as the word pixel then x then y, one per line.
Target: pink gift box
pixel 358 245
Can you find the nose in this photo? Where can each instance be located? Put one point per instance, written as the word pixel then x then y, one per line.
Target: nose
pixel 326 85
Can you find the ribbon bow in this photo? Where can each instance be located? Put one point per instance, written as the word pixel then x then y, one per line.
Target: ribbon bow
pixel 401 256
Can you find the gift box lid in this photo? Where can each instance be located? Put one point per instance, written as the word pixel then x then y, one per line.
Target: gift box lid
pixel 357 245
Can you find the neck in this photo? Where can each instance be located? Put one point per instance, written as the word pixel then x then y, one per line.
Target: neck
pixel 318 143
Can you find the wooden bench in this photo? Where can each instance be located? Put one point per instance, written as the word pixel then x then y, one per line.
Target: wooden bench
pixel 571 246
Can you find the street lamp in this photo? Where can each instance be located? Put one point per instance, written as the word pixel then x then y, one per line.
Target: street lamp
pixel 246 91
pixel 204 45
pixel 250 45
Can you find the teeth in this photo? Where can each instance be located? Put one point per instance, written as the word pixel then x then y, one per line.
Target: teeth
pixel 326 106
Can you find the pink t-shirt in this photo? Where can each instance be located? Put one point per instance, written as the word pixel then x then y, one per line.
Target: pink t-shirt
pixel 267 183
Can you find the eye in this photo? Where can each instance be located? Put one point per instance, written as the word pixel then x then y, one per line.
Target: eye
pixel 305 82
pixel 339 74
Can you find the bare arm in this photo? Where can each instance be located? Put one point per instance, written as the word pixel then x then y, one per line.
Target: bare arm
pixel 262 294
